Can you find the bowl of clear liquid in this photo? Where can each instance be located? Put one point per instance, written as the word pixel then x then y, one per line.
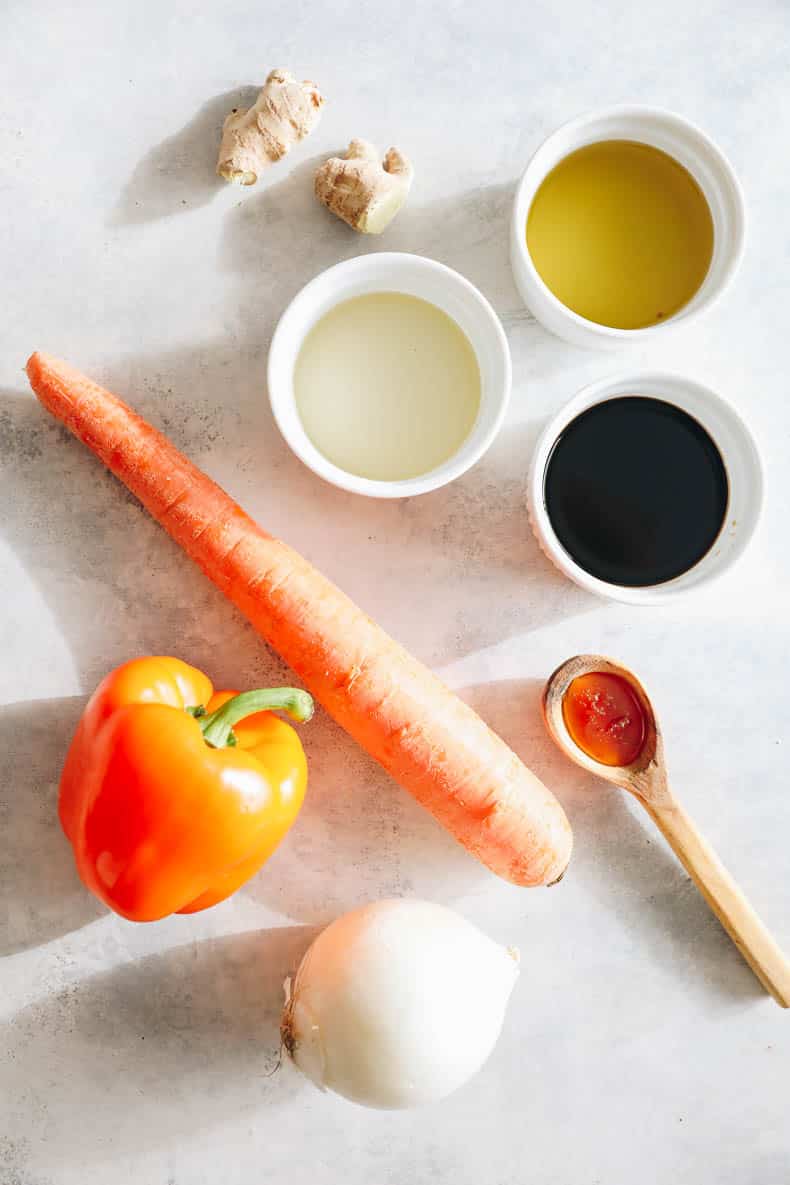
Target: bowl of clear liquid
pixel 389 375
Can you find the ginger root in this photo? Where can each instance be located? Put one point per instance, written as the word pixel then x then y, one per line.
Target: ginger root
pixel 363 191
pixel 285 112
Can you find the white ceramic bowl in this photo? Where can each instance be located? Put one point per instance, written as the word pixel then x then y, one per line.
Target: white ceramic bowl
pixel 681 140
pixel 738 452
pixel 413 275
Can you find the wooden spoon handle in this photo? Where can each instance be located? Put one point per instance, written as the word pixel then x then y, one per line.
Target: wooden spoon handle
pixel 723 895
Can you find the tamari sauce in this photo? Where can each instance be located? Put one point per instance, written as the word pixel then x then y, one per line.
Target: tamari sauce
pixel 636 491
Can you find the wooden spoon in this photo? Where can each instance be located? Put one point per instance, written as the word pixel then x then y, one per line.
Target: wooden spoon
pixel 646 779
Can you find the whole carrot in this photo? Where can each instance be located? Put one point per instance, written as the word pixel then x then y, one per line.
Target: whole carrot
pixel 428 739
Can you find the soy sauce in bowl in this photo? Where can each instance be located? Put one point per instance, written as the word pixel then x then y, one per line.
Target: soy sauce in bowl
pixel 636 491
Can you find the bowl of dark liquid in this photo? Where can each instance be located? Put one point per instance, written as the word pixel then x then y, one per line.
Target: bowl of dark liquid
pixel 644 487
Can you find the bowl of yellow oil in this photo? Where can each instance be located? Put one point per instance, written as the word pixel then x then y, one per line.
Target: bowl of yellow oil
pixel 389 375
pixel 626 223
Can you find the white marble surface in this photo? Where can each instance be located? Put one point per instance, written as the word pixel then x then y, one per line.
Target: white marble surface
pixel 637 1047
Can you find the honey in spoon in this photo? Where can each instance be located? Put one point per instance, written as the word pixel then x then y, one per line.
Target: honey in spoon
pixel 604 718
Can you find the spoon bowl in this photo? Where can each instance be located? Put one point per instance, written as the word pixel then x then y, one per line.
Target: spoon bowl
pixel 646 778
pixel 647 768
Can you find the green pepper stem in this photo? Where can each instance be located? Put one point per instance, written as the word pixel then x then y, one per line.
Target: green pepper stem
pixel 217 728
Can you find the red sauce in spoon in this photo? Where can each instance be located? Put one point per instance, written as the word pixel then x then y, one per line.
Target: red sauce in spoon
pixel 604 718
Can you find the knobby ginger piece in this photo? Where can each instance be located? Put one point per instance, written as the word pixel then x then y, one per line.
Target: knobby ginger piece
pixel 362 190
pixel 285 112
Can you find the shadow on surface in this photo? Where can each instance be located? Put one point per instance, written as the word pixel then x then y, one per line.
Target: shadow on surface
pixel 359 837
pixel 180 172
pixel 619 856
pixel 41 896
pixel 119 587
pixel 115 584
pixel 158 1047
pixel 282 231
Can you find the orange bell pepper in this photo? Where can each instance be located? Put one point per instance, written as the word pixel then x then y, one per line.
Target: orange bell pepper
pixel 173 795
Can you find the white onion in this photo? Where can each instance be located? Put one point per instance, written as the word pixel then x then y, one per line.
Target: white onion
pixel 397 1004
